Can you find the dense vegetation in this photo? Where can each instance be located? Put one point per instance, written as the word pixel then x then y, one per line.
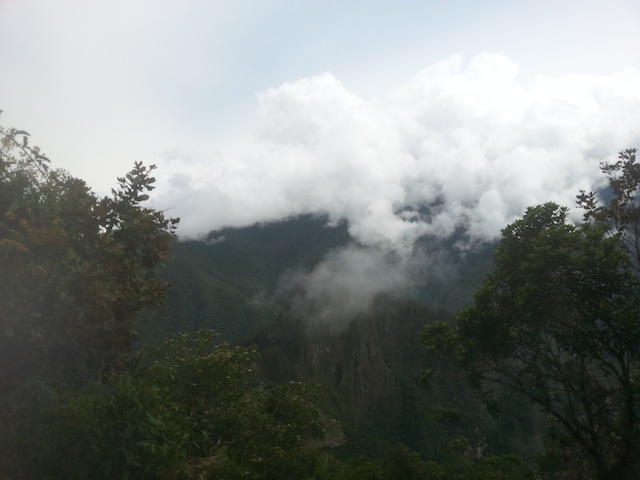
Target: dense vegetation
pixel 559 322
pixel 76 270
pixel 550 342
pixel 188 408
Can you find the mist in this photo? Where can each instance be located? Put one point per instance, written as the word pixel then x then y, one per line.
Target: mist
pixel 345 284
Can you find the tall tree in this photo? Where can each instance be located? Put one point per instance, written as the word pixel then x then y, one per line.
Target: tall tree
pixel 622 213
pixel 559 321
pixel 75 270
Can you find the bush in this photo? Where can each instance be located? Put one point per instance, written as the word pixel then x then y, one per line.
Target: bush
pixel 189 408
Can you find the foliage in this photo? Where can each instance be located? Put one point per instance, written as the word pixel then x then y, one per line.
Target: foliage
pixel 76 271
pixel 622 214
pixel 399 463
pixel 189 408
pixel 558 321
pixel 505 467
pixel 81 267
pixel 128 429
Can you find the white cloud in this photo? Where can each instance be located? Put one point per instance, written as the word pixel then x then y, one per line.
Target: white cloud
pixel 346 282
pixel 465 135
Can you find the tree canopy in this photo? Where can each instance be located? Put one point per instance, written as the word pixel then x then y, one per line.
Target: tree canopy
pixel 190 407
pixel 76 269
pixel 559 322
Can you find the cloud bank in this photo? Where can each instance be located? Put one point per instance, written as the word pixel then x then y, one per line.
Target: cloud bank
pixel 464 135
pixel 461 145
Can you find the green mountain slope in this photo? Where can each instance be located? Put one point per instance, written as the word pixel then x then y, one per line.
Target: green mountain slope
pixel 229 281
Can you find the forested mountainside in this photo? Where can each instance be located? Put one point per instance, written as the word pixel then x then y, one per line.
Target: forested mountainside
pixel 229 281
pixel 367 373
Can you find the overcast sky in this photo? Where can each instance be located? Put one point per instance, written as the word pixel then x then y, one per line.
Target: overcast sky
pixel 365 110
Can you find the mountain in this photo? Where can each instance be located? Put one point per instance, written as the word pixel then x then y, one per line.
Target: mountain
pixel 230 280
pixel 367 372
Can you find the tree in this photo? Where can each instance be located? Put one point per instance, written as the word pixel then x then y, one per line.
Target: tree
pixel 622 214
pixel 559 321
pixel 76 269
pixel 189 408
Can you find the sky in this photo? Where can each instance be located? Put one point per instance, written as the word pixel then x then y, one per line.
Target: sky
pixel 367 111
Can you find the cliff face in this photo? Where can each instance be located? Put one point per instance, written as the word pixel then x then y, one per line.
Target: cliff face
pixel 353 365
pixel 367 373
